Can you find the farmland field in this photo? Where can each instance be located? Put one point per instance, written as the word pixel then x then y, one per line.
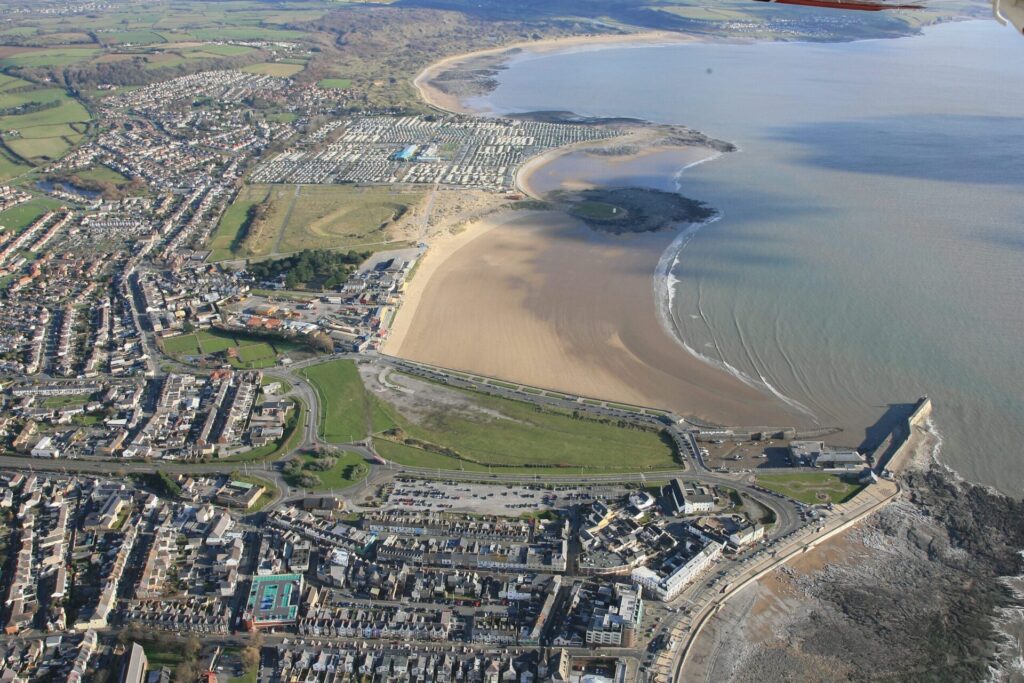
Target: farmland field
pixel 136 37
pixel 9 167
pixel 246 33
pixel 62 56
pixel 44 134
pixel 50 148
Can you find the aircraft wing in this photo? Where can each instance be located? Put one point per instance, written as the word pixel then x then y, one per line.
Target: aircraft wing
pixel 857 5
pixel 1009 12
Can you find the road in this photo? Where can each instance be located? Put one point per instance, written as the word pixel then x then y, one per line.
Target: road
pixel 702 600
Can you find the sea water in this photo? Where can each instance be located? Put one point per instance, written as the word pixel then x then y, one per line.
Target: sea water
pixel 871 244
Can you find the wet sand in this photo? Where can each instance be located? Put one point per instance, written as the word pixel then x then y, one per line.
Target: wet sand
pixel 537 297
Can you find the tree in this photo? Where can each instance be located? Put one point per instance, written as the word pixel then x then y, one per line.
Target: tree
pixel 185 672
pixel 250 658
pixel 309 481
pixel 191 647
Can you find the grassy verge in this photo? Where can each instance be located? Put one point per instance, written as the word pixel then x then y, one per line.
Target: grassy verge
pixel 347 412
pixel 348 469
pixel 810 487
pixel 505 433
pixel 285 385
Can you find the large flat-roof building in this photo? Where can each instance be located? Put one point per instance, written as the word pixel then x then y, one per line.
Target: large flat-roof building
pixel 816 454
pixel 273 601
pixel 240 494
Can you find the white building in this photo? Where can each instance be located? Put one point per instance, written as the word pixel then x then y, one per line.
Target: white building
pixel 667 587
pixel 45 448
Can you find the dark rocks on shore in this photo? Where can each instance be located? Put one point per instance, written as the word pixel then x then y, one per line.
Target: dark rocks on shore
pixel 631 209
pixel 922 605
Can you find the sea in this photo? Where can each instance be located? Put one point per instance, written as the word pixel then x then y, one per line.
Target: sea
pixel 870 248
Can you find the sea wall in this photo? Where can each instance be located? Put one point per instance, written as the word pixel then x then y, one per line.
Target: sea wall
pixel 892 454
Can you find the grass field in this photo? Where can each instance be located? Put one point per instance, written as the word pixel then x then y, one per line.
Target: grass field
pixel 349 469
pixel 20 31
pixel 102 174
pixel 10 167
pixel 158 657
pixel 57 56
pixel 507 433
pixel 347 411
pixel 274 69
pixel 135 37
pixel 316 217
pixel 253 352
pixel 43 135
pixel 335 83
pixel 282 117
pixel 23 215
pixel 810 487
pixel 246 33
pixel 12 83
pixel 223 244
pixel 44 148
pixel 65 401
pixel 226 50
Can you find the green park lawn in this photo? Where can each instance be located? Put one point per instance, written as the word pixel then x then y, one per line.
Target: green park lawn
pixel 514 434
pixel 810 487
pixel 254 353
pixel 348 469
pixel 335 83
pixel 347 411
pixel 505 433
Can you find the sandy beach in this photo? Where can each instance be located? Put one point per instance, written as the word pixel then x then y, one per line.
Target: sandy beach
pixel 540 298
pixel 537 297
pixel 435 97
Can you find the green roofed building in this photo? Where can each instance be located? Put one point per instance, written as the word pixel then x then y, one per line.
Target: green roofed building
pixel 273 601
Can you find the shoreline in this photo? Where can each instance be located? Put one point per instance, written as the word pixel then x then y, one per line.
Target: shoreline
pixel 452 104
pixel 635 357
pixel 527 296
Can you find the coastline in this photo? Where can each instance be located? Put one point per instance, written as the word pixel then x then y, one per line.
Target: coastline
pixel 538 242
pixel 437 99
pixel 537 297
pixel 570 335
